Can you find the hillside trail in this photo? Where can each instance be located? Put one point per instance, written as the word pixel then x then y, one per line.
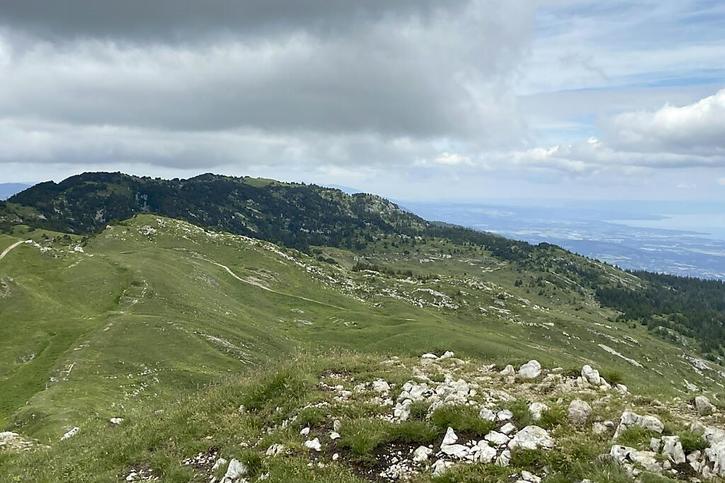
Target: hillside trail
pixel 12 247
pixel 259 285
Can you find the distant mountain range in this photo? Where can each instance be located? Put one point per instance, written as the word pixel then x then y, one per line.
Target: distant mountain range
pixel 9 189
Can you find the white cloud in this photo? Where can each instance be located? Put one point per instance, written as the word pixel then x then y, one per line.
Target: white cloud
pixel 697 128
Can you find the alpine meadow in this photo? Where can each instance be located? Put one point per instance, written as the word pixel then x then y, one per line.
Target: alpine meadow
pixel 411 241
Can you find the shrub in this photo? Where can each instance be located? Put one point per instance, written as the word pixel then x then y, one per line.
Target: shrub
pixel 692 442
pixel 461 418
pixel 552 417
pixel 522 416
pixel 310 417
pixel 419 410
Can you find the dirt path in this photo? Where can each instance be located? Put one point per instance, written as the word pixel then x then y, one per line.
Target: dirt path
pixel 259 285
pixel 11 247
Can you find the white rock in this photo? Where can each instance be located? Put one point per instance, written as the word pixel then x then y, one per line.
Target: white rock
pixel 70 433
pixel 381 386
pixel 508 371
pixel 715 454
pixel 235 471
pixel 704 406
pixel 455 450
pixel 599 428
pixel 654 444
pixel 447 355
pixel 508 428
pixel 429 356
pixel 334 435
pixel 630 418
pixel 450 437
pixel 504 459
pixel 530 477
pixel 116 421
pixel 336 425
pixel 498 439
pixel 536 408
pixel 421 454
pixel 673 449
pixel 579 412
pixel 275 449
pixel 440 467
pixel 591 375
pixel 313 444
pixel 487 414
pixel 504 415
pixel 530 370
pixel 483 453
pixel 305 431
pixel 335 457
pixel 531 437
pixel 218 464
pixel 646 459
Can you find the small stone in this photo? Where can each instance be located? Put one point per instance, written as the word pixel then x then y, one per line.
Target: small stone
pixel 508 428
pixel 334 435
pixel 450 437
pixel 504 415
pixel 335 457
pixel 70 433
pixel 421 454
pixel 313 444
pixel 536 408
pixel 487 414
pixel 116 421
pixel 305 431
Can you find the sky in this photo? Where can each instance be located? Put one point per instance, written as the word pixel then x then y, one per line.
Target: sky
pixel 461 100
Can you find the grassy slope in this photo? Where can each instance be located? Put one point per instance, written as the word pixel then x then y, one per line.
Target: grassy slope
pixel 143 317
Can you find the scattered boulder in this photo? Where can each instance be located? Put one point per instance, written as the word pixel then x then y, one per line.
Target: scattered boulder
pixel 483 453
pixel 579 412
pixel 498 439
pixel 703 406
pixel 508 428
pixel 536 408
pixel 672 448
pixel 630 419
pixel 591 375
pixel 531 437
pixel 487 414
pixel 530 370
pixel 381 386
pixel 508 371
pixel 235 471
pixel 421 454
pixel 440 467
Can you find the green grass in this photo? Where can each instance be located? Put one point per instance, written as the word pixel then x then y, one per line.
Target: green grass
pixel 462 419
pixel 636 437
pixel 142 320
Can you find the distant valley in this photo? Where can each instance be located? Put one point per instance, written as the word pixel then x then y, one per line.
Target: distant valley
pixel 631 237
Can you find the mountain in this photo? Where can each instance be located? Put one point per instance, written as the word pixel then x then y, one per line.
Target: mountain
pixel 156 326
pixel 9 189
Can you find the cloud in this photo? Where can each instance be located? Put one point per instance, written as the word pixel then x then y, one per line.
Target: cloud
pixel 697 128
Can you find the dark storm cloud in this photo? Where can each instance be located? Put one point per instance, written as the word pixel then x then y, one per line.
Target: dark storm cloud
pixel 421 69
pixel 184 20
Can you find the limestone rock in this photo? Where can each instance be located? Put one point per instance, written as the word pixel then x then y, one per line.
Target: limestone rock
pixel 591 375
pixel 530 370
pixel 704 406
pixel 673 449
pixel 579 412
pixel 235 471
pixel 536 408
pixel 531 437
pixel 421 454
